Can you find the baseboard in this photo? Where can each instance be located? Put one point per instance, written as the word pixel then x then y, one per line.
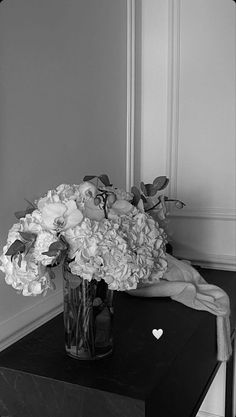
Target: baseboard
pixel 216 264
pixel 207 260
pixel 16 327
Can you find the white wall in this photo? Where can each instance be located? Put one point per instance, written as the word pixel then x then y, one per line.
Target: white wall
pixel 154 81
pixel 203 142
pixel 62 115
pixel 188 121
pixel 188 129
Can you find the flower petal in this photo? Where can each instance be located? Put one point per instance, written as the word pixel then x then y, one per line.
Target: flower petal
pixel 50 212
pixel 70 206
pixel 92 211
pixel 73 219
pixel 87 189
pixel 122 207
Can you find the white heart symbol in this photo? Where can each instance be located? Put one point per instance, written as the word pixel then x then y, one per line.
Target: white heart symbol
pixel 157 333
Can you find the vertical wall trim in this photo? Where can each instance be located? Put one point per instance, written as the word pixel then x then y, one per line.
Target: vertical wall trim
pixel 130 93
pixel 173 94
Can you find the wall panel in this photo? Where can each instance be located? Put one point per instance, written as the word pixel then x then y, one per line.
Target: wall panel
pixel 202 135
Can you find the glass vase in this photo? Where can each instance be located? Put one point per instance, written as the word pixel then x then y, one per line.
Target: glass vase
pixel 88 317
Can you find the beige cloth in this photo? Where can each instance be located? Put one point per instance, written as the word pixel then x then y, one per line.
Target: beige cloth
pixel 183 283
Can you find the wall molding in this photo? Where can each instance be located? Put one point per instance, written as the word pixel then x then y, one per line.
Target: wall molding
pixel 130 97
pixel 201 214
pixel 174 22
pixel 206 213
pixel 173 94
pixel 18 326
pixel 208 260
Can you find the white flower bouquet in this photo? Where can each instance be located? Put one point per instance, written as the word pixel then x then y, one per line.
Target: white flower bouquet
pixel 104 240
pixel 102 232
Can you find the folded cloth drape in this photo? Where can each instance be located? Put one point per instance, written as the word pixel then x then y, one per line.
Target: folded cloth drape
pixel 184 284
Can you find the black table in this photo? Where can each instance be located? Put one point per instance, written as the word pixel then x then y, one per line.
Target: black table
pixel 144 377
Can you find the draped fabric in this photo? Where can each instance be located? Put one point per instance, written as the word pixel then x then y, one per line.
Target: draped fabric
pixel 184 284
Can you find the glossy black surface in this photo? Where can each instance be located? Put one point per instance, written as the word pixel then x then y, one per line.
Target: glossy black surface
pixel 143 374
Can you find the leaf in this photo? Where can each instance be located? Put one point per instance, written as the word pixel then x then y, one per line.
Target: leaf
pixel 161 182
pixel 31 204
pixel 19 214
pixel 57 246
pixel 28 246
pixel 50 253
pixel 60 257
pixel 63 239
pixel 16 247
pixel 89 177
pixel 22 213
pixel 143 188
pixel 137 196
pixel 105 180
pixel 151 190
pixel 28 237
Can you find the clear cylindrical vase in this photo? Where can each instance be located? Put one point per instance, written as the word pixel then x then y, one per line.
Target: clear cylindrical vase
pixel 88 317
